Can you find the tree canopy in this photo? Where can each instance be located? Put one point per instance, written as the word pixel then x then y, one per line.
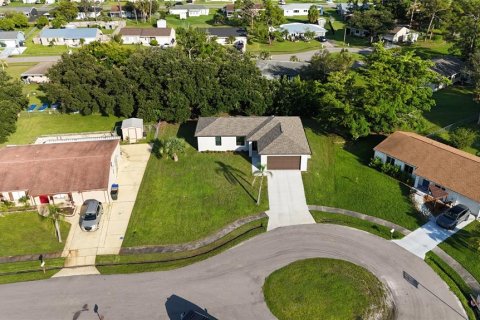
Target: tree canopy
pixel 12 101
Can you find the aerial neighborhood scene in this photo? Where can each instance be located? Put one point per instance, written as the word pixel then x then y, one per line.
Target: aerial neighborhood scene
pixel 245 159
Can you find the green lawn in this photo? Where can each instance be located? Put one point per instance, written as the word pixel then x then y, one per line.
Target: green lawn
pixel 454 103
pixel 29 233
pixel 373 228
pixel 196 22
pixel 325 289
pixel 339 176
pixel 285 46
pixel 192 198
pixel 464 247
pixel 339 35
pixel 41 50
pixel 34 266
pixel 31 90
pixel 32 125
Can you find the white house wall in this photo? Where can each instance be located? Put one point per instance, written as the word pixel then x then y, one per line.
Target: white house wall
pixel 228 144
pixel 453 196
pixel 303 160
pixel 36 79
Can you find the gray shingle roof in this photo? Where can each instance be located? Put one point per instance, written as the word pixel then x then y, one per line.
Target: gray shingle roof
pixel 448 66
pixel 274 135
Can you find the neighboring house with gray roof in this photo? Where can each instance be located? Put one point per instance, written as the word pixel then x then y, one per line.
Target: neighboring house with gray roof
pixel 272 69
pixel 450 67
pixel 69 37
pixel 279 142
pixel 11 39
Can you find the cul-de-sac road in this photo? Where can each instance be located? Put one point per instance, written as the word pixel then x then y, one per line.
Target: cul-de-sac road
pixel 229 285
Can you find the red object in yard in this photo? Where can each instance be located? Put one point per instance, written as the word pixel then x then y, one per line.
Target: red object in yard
pixel 43 199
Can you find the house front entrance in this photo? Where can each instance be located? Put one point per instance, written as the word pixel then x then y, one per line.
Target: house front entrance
pixel 44 199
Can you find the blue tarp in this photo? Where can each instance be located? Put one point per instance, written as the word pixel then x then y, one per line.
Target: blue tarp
pixel 32 107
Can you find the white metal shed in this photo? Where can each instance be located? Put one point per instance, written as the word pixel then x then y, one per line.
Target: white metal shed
pixel 132 129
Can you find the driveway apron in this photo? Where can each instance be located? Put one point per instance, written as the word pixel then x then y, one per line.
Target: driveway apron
pixel 427 237
pixel 286 197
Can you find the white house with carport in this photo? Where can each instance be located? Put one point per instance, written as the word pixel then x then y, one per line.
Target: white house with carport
pixel 59 173
pixel 132 129
pixel 437 169
pixel 299 9
pixel 277 142
pixel 298 30
pixel 145 36
pixel 400 35
pixel 223 35
pixel 69 37
pixel 12 39
pixel 189 10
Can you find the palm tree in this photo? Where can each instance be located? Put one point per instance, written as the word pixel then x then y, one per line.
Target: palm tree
pixel 55 215
pixel 262 173
pixel 4 64
pixel 172 146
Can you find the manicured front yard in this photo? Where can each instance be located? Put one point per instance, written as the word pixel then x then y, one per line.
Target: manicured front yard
pixel 464 247
pixel 285 46
pixel 32 125
pixel 29 233
pixel 325 289
pixel 339 176
pixel 192 198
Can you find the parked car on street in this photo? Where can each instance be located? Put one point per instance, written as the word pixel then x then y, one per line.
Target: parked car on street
pixel 322 39
pixel 453 216
pixel 90 215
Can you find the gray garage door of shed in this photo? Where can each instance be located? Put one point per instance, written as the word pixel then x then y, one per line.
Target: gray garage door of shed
pixel 283 163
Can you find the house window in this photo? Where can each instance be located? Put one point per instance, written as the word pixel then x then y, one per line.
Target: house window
pixel 240 141
pixel 390 160
pixel 408 169
pixel 218 141
pixel 296 11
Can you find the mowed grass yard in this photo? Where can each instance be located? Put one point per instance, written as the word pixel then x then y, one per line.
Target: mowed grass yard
pixel 29 233
pixel 198 195
pixel 31 125
pixel 464 247
pixel 339 176
pixel 325 289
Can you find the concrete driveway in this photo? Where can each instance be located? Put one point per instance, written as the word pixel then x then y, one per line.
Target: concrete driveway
pixel 82 247
pixel 428 236
pixel 229 285
pixel 286 198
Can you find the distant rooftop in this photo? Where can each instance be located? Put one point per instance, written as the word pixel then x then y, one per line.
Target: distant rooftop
pixel 225 32
pixel 9 35
pixel 77 33
pixel 39 69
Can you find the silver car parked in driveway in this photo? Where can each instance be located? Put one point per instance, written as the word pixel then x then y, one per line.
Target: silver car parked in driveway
pixel 90 215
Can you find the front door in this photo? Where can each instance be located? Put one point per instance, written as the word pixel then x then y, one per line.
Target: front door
pixel 254 145
pixel 425 183
pixel 44 199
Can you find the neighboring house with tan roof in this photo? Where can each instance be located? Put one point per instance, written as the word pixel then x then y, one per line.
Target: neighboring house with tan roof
pixel 37 73
pixel 144 36
pixel 59 172
pixel 279 142
pixel 434 165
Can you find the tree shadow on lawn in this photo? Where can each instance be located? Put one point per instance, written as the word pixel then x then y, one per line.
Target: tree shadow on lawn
pixel 186 131
pixel 234 176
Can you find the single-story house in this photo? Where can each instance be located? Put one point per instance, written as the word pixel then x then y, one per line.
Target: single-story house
pixel 37 73
pixel 297 30
pixel 223 35
pixel 189 10
pixel 132 129
pixel 299 9
pixel 400 35
pixel 357 32
pixel 90 13
pixel 59 172
pixel 164 36
pixel 344 9
pixel 277 142
pixel 29 12
pixel 11 39
pixel 69 37
pixel 434 165
pixel 272 69
pixel 450 67
pixel 117 11
pixel 230 9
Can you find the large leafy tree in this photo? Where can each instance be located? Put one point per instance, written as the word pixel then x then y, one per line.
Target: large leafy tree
pixel 81 83
pixel 374 21
pixel 398 8
pixel 12 101
pixel 464 26
pixel 434 10
pixel 66 9
pixel 271 17
pixel 323 63
pixel 313 14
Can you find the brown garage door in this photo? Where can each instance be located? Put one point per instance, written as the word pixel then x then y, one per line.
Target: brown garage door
pixel 283 163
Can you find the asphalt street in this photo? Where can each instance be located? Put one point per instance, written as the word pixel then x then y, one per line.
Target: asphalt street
pixel 229 285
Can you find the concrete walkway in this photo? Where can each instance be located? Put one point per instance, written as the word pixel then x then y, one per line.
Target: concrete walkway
pixel 427 237
pixel 81 247
pixel 286 198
